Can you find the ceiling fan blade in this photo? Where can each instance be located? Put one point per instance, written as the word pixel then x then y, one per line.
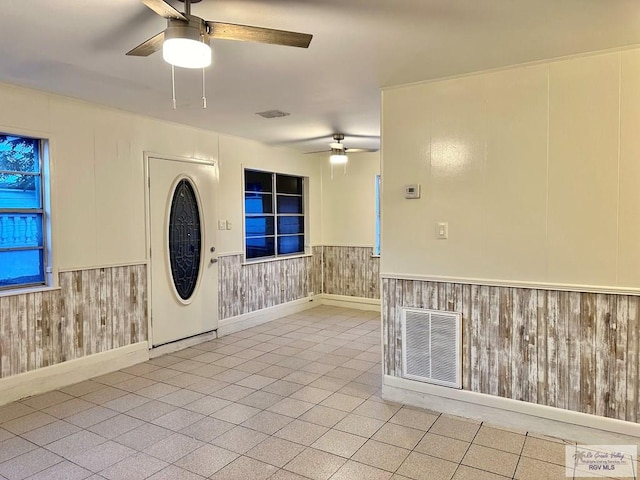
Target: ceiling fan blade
pixel 347 150
pixel 148 47
pixel 231 31
pixel 319 151
pixel 165 10
pixel 360 150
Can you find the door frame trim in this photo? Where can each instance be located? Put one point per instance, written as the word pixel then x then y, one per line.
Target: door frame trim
pixel 147 156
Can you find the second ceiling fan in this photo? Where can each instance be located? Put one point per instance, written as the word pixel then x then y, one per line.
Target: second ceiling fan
pixel 185 41
pixel 338 150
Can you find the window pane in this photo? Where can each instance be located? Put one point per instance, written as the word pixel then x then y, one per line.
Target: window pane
pixel 288 184
pixel 19 191
pixel 260 247
pixel 20 230
pixel 258 181
pixel 258 226
pixel 21 267
pixel 289 204
pixel 18 154
pixel 258 202
pixel 291 244
pixel 290 225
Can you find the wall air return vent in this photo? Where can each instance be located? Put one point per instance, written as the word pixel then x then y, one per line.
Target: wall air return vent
pixel 431 347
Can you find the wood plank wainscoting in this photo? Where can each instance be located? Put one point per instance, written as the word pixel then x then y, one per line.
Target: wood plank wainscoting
pixel 92 312
pixel 351 271
pixel 248 287
pixel 572 350
pixel 245 288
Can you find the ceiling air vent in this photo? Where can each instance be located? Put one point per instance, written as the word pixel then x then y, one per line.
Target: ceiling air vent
pixel 431 347
pixel 273 114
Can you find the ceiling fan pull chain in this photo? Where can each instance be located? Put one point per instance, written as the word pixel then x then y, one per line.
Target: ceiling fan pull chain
pixel 173 85
pixel 204 95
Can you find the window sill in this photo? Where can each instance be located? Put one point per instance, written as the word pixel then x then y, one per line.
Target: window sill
pixel 26 290
pixel 375 256
pixel 275 259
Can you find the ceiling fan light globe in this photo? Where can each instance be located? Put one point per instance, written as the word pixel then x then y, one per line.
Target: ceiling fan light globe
pixel 186 53
pixel 338 158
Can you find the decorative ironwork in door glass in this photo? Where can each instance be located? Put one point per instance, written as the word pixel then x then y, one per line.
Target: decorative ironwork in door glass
pixel 185 239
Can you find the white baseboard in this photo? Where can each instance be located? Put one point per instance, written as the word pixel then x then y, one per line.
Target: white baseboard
pixel 74 371
pixel 252 319
pixel 359 303
pixel 555 422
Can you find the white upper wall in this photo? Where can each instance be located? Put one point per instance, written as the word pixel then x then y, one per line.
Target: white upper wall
pixel 348 200
pixel 534 168
pixel 98 200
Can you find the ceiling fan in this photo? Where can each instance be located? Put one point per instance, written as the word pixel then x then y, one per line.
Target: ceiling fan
pixel 185 41
pixel 339 151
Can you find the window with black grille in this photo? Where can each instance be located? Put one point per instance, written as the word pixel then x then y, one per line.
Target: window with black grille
pixel 274 222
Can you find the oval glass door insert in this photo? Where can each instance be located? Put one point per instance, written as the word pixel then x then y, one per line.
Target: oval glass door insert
pixel 185 239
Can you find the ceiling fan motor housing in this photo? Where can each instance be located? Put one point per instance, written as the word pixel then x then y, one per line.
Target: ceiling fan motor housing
pixel 195 29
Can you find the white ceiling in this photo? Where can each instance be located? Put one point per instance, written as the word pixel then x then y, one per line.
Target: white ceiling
pixel 77 47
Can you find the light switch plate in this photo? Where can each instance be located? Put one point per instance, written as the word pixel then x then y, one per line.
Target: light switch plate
pixel 222 225
pixel 228 225
pixel 442 231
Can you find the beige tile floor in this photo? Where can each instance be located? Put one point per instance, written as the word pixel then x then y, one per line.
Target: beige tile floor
pixel 292 399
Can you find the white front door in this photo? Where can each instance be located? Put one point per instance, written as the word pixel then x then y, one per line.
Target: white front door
pixel 184 275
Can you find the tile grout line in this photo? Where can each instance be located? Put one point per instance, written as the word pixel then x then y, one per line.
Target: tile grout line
pixel 520 456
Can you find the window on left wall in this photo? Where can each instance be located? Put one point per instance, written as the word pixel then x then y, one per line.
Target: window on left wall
pixel 23 223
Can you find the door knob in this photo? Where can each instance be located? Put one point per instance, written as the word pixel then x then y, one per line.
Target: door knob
pixel 213 260
pixel 213 249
